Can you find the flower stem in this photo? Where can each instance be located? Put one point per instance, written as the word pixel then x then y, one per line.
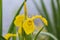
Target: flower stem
pixel 38 33
pixel 49 34
pixel 25 10
pixel 21 37
pixel 14 32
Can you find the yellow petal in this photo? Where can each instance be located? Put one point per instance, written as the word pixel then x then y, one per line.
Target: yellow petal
pixel 44 21
pixel 42 18
pixel 28 26
pixel 7 36
pixel 37 16
pixel 20 17
pixel 18 21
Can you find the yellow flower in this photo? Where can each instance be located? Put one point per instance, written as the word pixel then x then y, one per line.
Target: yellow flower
pixel 42 19
pixel 7 36
pixel 28 26
pixel 37 16
pixel 18 21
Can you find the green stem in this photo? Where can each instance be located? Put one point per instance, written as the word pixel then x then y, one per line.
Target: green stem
pixel 38 33
pixel 25 10
pixel 0 18
pixel 49 34
pixel 27 37
pixel 20 37
pixel 14 32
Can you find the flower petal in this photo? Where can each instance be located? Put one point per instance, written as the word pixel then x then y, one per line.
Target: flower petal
pixel 28 26
pixel 18 21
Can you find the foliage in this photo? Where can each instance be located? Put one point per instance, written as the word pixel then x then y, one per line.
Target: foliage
pixel 55 27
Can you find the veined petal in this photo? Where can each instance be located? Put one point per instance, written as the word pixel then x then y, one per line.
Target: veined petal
pixel 18 21
pixel 20 17
pixel 44 21
pixel 37 16
pixel 28 26
pixel 42 18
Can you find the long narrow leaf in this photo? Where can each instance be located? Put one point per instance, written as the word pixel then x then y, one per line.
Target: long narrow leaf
pixel 2 38
pixel 50 27
pixel 58 19
pixel 0 18
pixel 12 28
pixel 37 7
pixel 38 33
pixel 49 34
pixel 44 9
pixel 45 12
pixel 12 24
pixel 54 13
pixel 14 32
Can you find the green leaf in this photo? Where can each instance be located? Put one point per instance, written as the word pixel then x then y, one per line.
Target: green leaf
pixel 2 38
pixel 49 34
pixel 49 28
pixel 38 8
pixel 21 36
pixel 38 33
pixel 44 9
pixel 14 32
pixel 44 13
pixel 28 37
pixel 12 28
pixel 0 18
pixel 54 13
pixel 55 16
pixel 12 24
pixel 58 18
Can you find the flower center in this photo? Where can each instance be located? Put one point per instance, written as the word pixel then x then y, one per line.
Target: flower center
pixel 29 22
